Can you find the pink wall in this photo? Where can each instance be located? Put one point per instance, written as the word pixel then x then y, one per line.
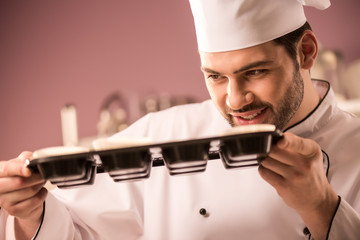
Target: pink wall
pixel 58 52
pixel 338 27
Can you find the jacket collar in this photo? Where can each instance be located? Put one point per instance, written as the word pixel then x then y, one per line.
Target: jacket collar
pixel 322 113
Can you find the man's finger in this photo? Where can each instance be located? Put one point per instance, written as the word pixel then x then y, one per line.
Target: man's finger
pixel 14 167
pixel 271 177
pixel 276 166
pixel 295 144
pixel 14 183
pixel 22 194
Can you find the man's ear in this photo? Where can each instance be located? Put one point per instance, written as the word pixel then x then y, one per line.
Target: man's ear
pixel 308 49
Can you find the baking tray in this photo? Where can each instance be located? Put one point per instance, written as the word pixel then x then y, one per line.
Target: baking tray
pixel 66 170
pixel 235 149
pixel 246 150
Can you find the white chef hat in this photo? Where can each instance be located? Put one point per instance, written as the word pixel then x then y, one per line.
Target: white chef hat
pixel 225 25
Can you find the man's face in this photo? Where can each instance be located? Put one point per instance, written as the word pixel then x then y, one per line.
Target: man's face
pixel 255 85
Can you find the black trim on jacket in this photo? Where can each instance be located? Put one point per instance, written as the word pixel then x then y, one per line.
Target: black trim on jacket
pixel 333 216
pixel 317 106
pixel 41 222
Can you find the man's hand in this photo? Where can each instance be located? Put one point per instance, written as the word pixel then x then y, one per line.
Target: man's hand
pixel 22 195
pixel 295 169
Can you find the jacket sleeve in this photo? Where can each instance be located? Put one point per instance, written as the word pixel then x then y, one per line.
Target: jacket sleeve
pixel 346 223
pixel 64 218
pixel 57 223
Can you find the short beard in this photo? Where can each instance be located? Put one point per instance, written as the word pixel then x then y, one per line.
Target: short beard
pixel 287 107
pixel 291 101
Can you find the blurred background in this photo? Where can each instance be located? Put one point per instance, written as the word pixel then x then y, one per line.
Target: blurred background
pixel 72 71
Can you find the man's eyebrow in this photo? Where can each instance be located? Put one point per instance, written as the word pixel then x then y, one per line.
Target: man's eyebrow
pixel 208 70
pixel 254 65
pixel 244 68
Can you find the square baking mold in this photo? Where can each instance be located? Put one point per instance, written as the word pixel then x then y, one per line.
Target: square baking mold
pixel 243 146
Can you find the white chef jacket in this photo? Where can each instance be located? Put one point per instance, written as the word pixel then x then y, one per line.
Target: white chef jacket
pixel 239 204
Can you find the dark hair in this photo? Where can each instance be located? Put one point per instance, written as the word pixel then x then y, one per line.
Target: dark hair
pixel 290 40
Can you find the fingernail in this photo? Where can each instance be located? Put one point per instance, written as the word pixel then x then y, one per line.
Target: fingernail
pixel 25 170
pixel 26 162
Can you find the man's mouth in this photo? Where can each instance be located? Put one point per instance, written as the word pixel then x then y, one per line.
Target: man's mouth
pixel 249 115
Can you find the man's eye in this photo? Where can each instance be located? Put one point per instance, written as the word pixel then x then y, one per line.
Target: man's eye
pixel 214 77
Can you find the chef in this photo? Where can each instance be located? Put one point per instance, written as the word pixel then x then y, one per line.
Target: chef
pixel 256 58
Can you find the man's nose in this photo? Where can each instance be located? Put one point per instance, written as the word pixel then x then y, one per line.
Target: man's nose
pixel 237 95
